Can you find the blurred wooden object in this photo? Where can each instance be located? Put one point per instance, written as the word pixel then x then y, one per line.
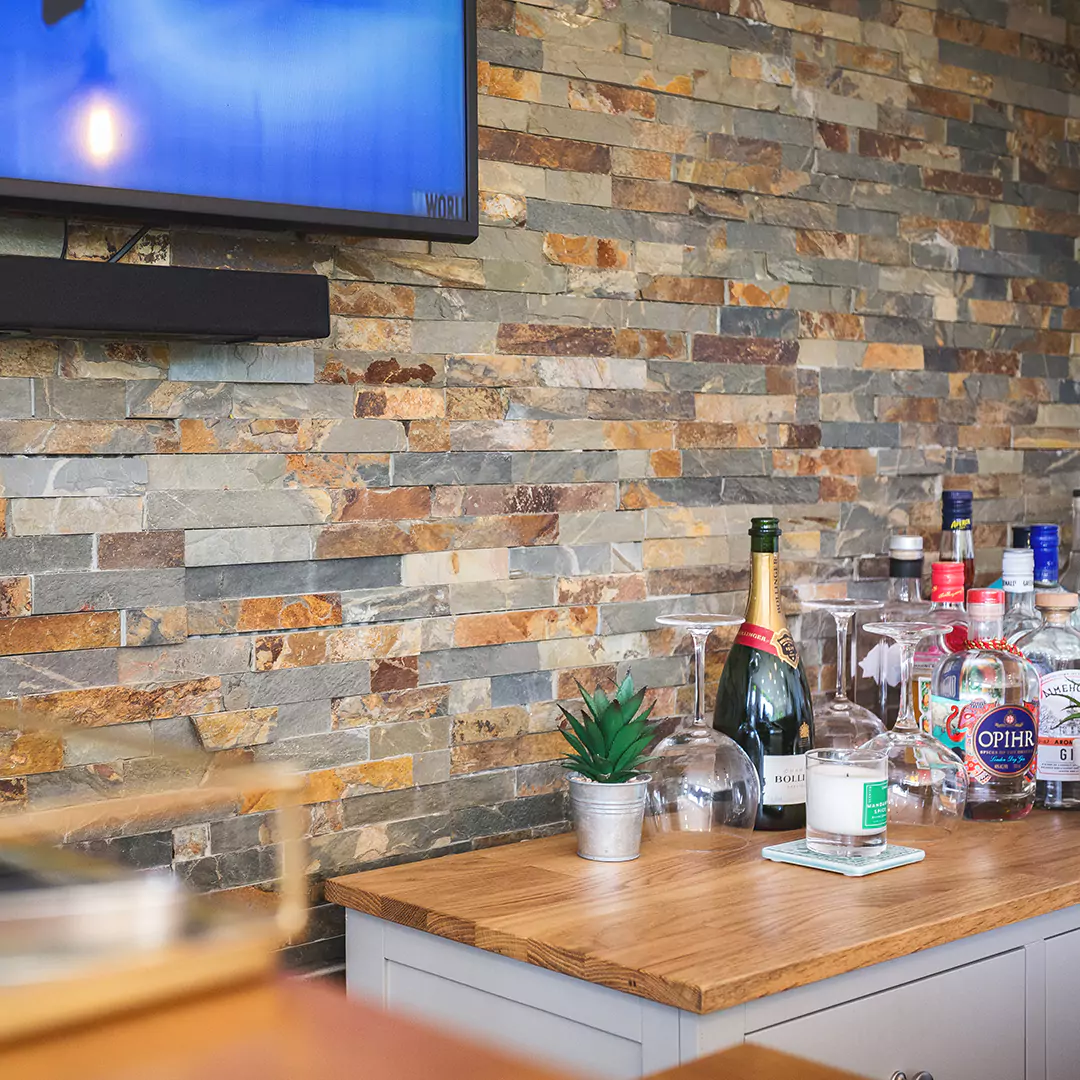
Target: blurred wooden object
pixel 287 1030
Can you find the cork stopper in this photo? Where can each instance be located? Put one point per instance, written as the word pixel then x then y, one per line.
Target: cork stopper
pixel 1056 601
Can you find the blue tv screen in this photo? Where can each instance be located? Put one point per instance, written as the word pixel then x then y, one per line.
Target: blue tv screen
pixel 342 113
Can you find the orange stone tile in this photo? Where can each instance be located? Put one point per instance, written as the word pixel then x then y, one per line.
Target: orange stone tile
pixel 897 357
pixel 641 164
pixel 650 345
pixel 826 245
pixel 429 436
pixel 502 753
pixel 665 463
pixel 605 589
pixel 502 627
pixel 103 706
pixel 566 680
pixel 30 752
pixel 59 633
pixel 369 300
pixel 326 785
pixel 14 597
pixel 391 504
pixel 831 325
pixel 611 99
pixel 273 612
pixel 227 730
pixel 489 724
pixel 394 706
pixel 401 403
pixel 684 290
pixel 395 673
pixel 750 294
pixel 513 83
pixel 309 648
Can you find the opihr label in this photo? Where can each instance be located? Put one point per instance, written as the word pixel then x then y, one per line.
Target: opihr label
pixel 1059 726
pixel 1000 740
pixel 784 779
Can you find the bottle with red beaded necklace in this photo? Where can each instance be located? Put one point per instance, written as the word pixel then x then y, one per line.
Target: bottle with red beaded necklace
pixel 947 595
pixel 985 705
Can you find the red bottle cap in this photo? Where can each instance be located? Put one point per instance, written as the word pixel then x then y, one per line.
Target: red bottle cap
pixel 986 596
pixel 947 582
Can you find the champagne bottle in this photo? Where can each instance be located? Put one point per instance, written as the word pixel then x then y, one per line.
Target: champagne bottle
pixel 764 700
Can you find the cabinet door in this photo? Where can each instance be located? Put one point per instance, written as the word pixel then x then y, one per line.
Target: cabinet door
pixel 964 1024
pixel 1062 995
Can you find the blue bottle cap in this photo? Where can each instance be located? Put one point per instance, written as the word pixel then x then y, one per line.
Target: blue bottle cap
pixel 956 509
pixel 1044 542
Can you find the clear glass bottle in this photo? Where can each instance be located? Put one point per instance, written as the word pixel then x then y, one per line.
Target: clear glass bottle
pixel 985 703
pixel 1018 582
pixel 1070 572
pixel 1054 649
pixel 946 595
pixel 904 603
pixel 1044 544
pixel 957 541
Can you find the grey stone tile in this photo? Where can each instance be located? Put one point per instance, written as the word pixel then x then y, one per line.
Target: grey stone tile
pixel 16 399
pixel 480 596
pixel 485 661
pixel 256 689
pixel 562 467
pixel 43 554
pixel 35 477
pixel 45 673
pixel 235 509
pixel 77 399
pixel 288 579
pixel 556 561
pixel 267 402
pixel 410 737
pixel 510 50
pixel 215 472
pixel 395 604
pixel 217 547
pixel 322 751
pixel 297 719
pixel 860 435
pixel 107 590
pixel 197 362
pixel 724 30
pixel 521 689
pixel 419 469
pixel 37 236
pixel 151 399
pixel 195 658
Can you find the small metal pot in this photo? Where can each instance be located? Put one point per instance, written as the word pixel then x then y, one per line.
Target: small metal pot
pixel 608 818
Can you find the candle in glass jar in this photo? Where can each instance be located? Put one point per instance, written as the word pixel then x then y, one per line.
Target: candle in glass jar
pixel 847 798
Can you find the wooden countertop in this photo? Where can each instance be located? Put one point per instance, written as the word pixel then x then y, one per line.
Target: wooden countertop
pixel 702 931
pixel 287 1030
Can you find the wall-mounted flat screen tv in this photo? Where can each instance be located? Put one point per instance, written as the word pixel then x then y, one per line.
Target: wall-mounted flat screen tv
pixel 343 114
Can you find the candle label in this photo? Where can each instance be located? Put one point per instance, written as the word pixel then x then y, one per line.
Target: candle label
pixel 875 804
pixel 784 779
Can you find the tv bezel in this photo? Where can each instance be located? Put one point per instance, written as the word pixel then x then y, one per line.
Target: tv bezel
pixel 163 208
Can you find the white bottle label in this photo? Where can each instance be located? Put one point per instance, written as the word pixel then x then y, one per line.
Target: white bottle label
pixel 785 780
pixel 1059 726
pixel 1018 583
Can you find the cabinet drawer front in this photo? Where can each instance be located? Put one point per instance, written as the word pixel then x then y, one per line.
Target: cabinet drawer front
pixel 964 1024
pixel 1062 995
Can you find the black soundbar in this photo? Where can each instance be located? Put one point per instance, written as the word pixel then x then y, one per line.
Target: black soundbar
pixel 42 297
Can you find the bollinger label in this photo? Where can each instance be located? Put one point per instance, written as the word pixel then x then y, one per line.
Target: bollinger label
pixel 783 779
pixel 775 642
pixel 1059 726
pixel 1000 740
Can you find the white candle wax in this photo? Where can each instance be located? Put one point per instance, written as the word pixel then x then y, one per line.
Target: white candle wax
pixel 837 800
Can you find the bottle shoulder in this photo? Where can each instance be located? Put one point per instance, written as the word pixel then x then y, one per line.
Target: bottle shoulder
pixel 973 672
pixel 1051 648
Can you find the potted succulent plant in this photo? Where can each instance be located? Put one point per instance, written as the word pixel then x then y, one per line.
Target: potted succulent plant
pixel 607 790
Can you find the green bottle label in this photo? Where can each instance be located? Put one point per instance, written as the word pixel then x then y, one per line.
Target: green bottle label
pixel 875 805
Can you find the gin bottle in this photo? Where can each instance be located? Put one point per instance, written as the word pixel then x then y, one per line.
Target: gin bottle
pixel 947 595
pixel 985 705
pixel 1054 649
pixel 1018 581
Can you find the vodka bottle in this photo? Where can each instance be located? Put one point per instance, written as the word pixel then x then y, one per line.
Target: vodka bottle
pixel 1044 544
pixel 985 703
pixel 1018 581
pixel 1054 649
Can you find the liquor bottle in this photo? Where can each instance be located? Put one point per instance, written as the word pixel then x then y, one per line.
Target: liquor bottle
pixel 904 601
pixel 1070 572
pixel 763 701
pixel 1054 649
pixel 957 544
pixel 1018 582
pixel 985 703
pixel 1044 544
pixel 946 595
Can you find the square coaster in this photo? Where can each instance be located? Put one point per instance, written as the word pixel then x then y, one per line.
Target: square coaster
pixel 796 852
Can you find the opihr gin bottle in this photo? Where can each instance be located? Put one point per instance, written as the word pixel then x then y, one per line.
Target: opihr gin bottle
pixel 1054 649
pixel 985 705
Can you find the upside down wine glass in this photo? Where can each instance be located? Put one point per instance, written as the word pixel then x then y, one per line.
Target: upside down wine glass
pixel 703 789
pixel 839 723
pixel 927 782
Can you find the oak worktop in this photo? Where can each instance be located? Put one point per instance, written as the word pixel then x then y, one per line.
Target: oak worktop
pixel 703 931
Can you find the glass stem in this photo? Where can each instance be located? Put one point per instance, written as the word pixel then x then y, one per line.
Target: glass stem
pixel 905 718
pixel 843 628
pixel 700 638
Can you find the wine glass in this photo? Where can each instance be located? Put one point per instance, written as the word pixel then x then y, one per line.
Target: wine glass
pixel 839 722
pixel 927 781
pixel 703 789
